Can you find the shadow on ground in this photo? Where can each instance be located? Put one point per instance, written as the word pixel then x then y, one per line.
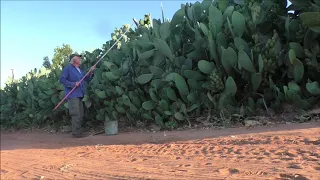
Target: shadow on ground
pixel 42 140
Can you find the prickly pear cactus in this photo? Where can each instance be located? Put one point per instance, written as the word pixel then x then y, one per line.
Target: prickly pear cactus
pixel 215 56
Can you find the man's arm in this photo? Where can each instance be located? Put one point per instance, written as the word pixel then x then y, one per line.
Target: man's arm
pixel 89 77
pixel 64 78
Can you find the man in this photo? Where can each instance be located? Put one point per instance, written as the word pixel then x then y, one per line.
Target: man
pixel 71 76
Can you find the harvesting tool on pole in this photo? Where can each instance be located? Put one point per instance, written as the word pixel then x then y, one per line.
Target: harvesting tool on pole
pixel 90 69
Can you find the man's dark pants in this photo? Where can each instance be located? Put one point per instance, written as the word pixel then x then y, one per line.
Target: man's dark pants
pixel 76 112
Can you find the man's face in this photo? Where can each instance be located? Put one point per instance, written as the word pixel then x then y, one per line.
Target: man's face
pixel 77 61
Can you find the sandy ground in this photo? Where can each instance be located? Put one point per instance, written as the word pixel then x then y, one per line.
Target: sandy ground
pixel 281 152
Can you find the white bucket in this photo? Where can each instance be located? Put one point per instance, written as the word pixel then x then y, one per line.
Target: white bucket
pixel 111 127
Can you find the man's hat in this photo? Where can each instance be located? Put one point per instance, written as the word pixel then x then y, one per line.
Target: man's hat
pixel 74 55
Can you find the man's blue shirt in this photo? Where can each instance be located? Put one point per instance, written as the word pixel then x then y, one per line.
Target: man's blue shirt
pixel 70 75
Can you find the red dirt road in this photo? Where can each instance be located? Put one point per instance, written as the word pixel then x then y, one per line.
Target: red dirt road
pixel 281 152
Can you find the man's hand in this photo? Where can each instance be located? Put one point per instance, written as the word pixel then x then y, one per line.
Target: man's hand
pixel 92 68
pixel 77 84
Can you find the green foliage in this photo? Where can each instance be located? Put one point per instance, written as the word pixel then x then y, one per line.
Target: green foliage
pixel 215 56
pixel 61 55
pixel 146 21
pixel 46 62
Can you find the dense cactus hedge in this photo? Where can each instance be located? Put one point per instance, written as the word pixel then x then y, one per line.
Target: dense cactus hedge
pixel 211 56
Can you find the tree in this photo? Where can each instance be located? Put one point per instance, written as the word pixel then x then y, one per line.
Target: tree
pixel 61 55
pixel 46 62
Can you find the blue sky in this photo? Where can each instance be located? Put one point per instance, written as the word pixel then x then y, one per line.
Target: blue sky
pixel 31 30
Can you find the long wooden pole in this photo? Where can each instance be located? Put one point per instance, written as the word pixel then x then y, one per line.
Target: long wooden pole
pixel 89 71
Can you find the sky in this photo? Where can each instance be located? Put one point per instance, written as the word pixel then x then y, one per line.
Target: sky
pixel 31 30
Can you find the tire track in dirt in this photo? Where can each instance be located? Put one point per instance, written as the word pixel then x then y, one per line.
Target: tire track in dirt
pixel 287 156
pixel 139 166
pixel 27 162
pixel 251 149
pixel 36 170
pixel 285 151
pixel 276 155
